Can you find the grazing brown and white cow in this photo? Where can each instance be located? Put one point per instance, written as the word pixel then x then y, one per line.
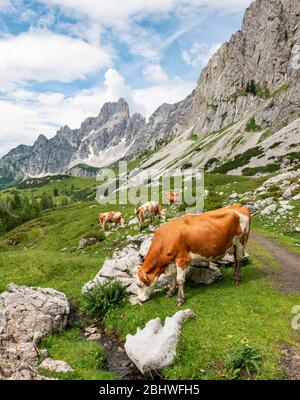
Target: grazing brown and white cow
pixel 149 210
pixel 112 216
pixel 172 197
pixel 203 237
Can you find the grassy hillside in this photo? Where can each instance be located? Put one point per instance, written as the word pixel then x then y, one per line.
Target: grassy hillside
pixel 46 254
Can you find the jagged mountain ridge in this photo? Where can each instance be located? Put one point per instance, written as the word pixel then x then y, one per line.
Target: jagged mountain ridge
pixel 69 147
pixel 264 52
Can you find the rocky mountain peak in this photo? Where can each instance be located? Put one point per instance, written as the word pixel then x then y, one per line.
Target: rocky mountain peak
pixel 255 77
pixel 41 140
pixel 109 109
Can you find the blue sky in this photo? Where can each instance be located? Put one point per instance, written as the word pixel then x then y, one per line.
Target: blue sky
pixel 60 60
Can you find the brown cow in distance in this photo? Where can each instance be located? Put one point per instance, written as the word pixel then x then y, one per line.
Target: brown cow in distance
pixel 172 197
pixel 203 237
pixel 112 217
pixel 148 211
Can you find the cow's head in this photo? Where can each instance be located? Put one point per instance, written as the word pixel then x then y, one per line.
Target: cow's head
pixel 145 285
pixel 122 221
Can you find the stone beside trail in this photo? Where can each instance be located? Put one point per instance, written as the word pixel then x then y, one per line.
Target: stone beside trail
pixel 122 267
pixel 276 208
pixel 56 365
pixel 27 314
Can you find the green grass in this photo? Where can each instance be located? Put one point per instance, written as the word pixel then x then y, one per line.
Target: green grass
pixel 87 168
pixel 47 255
pixel 226 316
pixel 71 188
pixel 233 183
pixel 85 357
pixel 47 251
pixel 282 231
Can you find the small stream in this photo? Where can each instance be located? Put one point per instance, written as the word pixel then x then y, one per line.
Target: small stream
pixel 116 359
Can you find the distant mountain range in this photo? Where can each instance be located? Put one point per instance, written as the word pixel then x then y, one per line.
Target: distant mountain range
pixel 242 117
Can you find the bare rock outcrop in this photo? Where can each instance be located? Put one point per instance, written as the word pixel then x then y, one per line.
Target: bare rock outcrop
pixel 27 314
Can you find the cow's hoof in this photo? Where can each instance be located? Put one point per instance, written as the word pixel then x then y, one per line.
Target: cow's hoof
pixel 170 293
pixel 179 302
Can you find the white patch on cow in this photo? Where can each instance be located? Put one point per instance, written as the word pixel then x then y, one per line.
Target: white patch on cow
pixel 180 275
pixel 244 222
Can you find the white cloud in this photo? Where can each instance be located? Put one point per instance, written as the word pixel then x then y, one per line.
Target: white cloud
pixel 199 54
pixel 4 5
pixel 119 12
pixel 155 73
pixel 26 114
pixel 170 91
pixel 42 55
pixel 124 16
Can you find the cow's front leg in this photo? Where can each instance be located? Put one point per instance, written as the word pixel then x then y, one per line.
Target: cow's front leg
pixel 172 289
pixel 181 272
pixel 238 258
pixel 183 260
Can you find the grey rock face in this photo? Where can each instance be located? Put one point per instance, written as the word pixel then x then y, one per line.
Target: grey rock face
pixel 32 313
pixel 27 315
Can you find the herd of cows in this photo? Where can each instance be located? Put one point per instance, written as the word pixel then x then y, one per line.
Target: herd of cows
pixel 208 236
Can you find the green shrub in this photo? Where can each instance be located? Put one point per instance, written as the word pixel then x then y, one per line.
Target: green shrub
pixel 186 166
pixel 99 235
pixel 103 298
pixel 252 126
pixel 181 208
pixel 210 162
pixel 193 136
pixel 263 169
pixel 245 358
pixel 239 160
pixel 274 145
pixel 273 188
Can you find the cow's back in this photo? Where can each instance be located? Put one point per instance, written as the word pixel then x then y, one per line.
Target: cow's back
pixel 209 234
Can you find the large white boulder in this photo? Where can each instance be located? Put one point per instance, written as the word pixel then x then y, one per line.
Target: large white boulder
pixel 281 178
pixel 154 347
pixel 269 210
pixel 31 313
pixel 26 315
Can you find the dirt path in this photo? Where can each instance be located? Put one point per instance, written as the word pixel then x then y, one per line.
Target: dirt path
pixel 287 278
